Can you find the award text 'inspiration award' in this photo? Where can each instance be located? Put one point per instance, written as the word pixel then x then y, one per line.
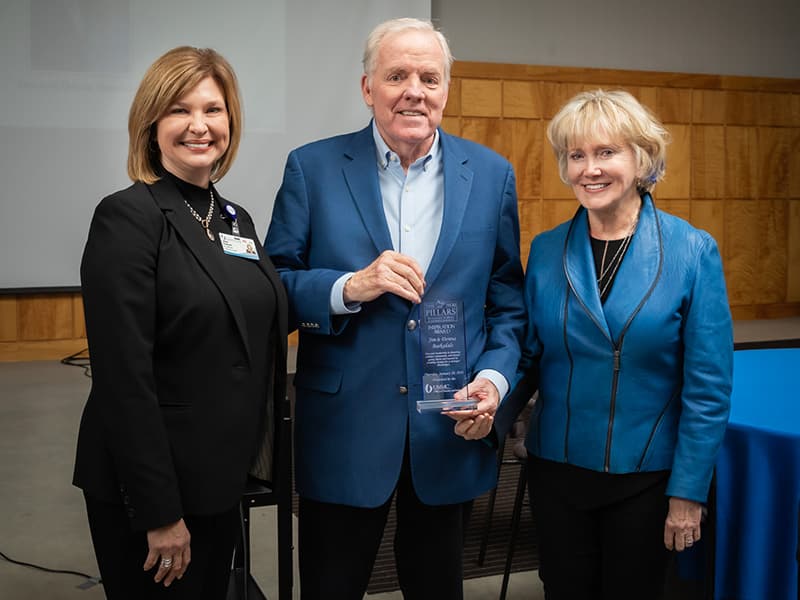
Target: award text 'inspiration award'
pixel 444 356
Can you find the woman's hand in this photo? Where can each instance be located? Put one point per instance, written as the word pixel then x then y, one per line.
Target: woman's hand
pixel 169 546
pixel 682 527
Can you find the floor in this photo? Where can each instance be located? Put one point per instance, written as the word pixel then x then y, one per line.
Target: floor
pixel 43 518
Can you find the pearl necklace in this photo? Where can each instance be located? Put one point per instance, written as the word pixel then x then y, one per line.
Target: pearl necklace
pixel 207 221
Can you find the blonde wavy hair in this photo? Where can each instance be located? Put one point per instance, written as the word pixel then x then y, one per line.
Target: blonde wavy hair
pixel 169 78
pixel 601 115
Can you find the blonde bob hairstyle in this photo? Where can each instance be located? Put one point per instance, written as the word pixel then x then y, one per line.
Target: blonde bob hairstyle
pixel 611 116
pixel 168 79
pixel 393 26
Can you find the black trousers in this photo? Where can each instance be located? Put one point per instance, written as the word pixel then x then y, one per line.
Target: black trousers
pixel 121 553
pixel 338 545
pixel 601 536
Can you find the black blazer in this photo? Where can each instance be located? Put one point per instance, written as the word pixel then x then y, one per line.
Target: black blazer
pixel 173 422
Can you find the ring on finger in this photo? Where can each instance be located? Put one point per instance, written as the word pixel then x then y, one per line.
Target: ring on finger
pixel 166 563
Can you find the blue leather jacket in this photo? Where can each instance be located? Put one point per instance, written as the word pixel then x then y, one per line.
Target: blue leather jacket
pixel 643 382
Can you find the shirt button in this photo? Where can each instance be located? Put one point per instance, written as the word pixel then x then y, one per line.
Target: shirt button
pixel 412 325
pixel 402 389
pixel 406 228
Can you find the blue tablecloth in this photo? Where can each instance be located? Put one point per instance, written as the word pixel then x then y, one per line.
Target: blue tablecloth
pixel 758 479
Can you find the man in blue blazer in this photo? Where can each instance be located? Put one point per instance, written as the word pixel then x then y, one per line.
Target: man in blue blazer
pixel 366 226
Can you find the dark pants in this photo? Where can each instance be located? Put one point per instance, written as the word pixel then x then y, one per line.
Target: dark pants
pixel 601 536
pixel 338 545
pixel 121 553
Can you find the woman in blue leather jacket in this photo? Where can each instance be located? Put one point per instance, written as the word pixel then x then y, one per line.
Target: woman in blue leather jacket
pixel 630 345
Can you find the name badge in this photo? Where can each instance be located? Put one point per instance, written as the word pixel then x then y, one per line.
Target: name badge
pixel 238 246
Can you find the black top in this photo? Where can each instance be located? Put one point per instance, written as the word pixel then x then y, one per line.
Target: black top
pixel 613 252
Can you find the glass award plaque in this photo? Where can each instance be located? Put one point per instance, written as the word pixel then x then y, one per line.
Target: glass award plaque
pixel 444 356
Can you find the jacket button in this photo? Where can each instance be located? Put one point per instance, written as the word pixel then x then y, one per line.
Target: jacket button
pixel 402 389
pixel 412 325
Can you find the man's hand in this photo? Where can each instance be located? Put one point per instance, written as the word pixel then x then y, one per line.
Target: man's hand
pixel 476 424
pixel 391 272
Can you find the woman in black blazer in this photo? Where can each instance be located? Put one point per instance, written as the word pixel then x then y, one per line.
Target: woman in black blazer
pixel 186 321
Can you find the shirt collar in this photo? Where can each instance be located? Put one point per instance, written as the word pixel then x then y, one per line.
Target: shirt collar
pixel 386 156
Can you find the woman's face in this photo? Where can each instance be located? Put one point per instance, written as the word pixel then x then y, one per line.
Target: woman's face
pixel 194 133
pixel 603 175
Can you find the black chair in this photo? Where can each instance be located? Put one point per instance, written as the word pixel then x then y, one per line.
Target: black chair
pixel 521 454
pixel 242 586
pixel 517 433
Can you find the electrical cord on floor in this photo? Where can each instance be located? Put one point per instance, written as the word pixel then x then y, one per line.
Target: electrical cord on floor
pixel 90 580
pixel 79 359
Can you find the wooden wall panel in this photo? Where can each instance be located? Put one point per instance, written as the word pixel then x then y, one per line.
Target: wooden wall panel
pixel 794 162
pixel 679 208
pixel 709 215
pixel 45 317
pixel 774 109
pixel 530 225
pixel 741 251
pixel 708 161
pixel 522 99
pixel 481 98
pixel 555 95
pixel 524 144
pixel 453 106
pixel 672 105
pixel 78 322
pixel 452 125
pixel 793 252
pixel 8 318
pixel 774 146
pixel 772 251
pixel 733 169
pixel 552 186
pixel 741 162
pixel 677 179
pixel 708 106
pixel 741 108
pixel 484 131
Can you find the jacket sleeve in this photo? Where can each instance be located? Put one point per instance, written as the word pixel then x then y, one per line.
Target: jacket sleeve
pixel 526 379
pixel 707 377
pixel 287 244
pixel 505 310
pixel 118 278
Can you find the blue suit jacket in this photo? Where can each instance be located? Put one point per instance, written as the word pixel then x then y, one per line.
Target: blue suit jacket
pixel 353 411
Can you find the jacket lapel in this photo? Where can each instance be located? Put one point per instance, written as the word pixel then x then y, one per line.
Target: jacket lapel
pixel 579 269
pixel 634 281
pixel 457 187
pixel 361 176
pixel 169 199
pixel 638 272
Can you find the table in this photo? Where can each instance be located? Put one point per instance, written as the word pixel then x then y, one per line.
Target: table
pixel 758 480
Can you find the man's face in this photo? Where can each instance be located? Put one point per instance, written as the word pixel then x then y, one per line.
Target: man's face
pixel 407 91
